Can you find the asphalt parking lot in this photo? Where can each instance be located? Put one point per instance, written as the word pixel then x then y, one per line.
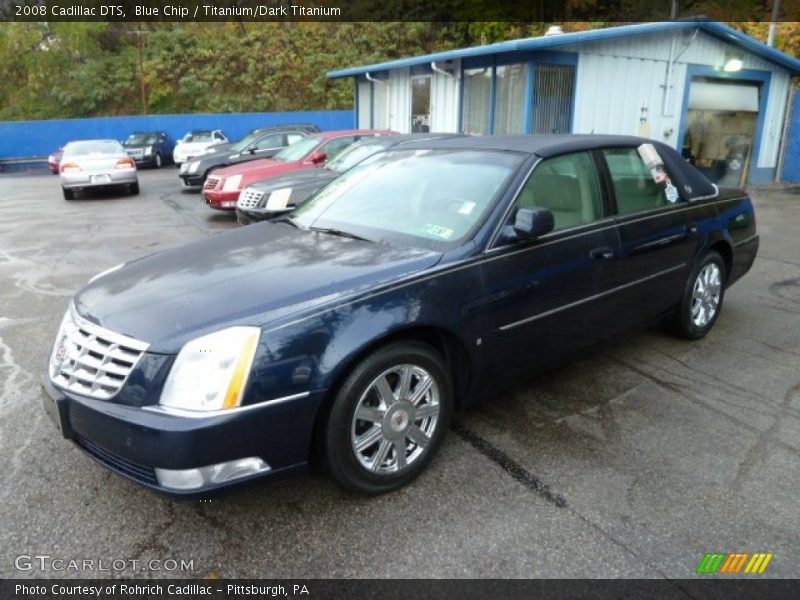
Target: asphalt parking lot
pixel 633 461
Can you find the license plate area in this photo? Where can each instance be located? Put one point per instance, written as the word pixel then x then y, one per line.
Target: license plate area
pixel 100 178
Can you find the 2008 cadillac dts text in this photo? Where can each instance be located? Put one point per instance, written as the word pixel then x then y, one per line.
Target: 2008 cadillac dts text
pixel 417 281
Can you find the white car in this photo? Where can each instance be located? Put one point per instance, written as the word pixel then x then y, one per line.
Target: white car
pixel 196 142
pixel 96 163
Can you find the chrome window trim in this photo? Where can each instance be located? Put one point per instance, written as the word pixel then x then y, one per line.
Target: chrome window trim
pixel 203 414
pixel 553 311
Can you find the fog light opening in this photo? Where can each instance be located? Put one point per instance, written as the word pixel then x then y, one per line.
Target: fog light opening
pixel 192 479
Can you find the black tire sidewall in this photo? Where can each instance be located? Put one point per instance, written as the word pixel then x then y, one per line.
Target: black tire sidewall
pixel 337 451
pixel 684 325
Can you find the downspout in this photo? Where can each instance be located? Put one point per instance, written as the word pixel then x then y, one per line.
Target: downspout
pixel 436 69
pixel 373 81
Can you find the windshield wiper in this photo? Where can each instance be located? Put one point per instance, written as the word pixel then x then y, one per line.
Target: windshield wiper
pixel 339 232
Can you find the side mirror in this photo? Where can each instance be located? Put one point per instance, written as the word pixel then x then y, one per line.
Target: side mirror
pixel 531 223
pixel 252 149
pixel 317 157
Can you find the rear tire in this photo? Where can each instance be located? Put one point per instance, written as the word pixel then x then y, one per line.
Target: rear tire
pixel 134 189
pixel 702 298
pixel 68 193
pixel 403 395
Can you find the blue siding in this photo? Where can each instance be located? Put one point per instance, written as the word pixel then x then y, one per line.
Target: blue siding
pixel 24 139
pixel 791 161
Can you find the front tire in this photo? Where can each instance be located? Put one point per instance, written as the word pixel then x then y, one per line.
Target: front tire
pixel 702 298
pixel 68 193
pixel 134 189
pixel 159 161
pixel 388 418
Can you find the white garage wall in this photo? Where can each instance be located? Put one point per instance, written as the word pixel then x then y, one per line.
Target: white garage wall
pixel 616 78
pixel 445 92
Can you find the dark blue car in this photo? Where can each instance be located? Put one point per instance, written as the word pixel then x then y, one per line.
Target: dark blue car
pixel 416 282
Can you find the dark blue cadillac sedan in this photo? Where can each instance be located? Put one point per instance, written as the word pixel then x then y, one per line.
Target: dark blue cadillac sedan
pixel 414 283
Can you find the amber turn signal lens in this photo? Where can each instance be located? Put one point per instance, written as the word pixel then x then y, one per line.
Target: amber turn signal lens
pixel 125 163
pixel 69 167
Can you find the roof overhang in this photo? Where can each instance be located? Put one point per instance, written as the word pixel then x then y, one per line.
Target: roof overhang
pixel 713 28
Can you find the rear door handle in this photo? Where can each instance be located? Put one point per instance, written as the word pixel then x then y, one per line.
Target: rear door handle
pixel 603 252
pixel 691 228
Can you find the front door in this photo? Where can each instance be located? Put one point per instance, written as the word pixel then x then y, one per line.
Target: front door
pixel 542 295
pixel 421 104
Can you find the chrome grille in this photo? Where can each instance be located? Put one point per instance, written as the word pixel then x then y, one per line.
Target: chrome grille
pixel 92 361
pixel 211 182
pixel 249 198
pixel 136 152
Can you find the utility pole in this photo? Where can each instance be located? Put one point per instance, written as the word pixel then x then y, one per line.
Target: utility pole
pixel 140 37
pixel 776 9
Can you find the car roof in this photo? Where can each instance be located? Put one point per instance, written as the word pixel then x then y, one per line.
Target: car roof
pixel 341 132
pixel 301 127
pixel 541 145
pixel 388 140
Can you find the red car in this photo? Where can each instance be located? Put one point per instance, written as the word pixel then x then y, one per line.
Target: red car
pixel 54 160
pixel 222 186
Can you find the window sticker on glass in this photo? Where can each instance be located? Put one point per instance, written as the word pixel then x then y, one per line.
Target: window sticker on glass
pixel 467 208
pixel 444 233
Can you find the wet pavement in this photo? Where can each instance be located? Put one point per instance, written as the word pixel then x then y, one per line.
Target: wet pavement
pixel 634 460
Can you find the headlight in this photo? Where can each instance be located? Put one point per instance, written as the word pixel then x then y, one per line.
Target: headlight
pixel 106 272
pixel 232 183
pixel 211 372
pixel 148 151
pixel 194 166
pixel 279 199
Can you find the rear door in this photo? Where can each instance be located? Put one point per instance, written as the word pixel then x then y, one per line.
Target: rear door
pixel 659 238
pixel 544 297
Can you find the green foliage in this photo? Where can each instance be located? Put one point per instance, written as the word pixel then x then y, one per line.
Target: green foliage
pixel 63 70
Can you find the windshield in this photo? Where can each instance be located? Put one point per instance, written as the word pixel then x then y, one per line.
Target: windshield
pixel 298 150
pixel 141 139
pixel 199 136
pixel 244 142
pixel 93 147
pixel 350 157
pixel 429 198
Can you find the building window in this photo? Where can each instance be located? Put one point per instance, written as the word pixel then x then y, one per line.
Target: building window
pixel 509 104
pixel 553 98
pixel 477 100
pixel 421 104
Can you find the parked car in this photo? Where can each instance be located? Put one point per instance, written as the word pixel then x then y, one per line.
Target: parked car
pixel 150 148
pixel 259 143
pixel 222 187
pixel 195 143
pixel 54 160
pixel 280 194
pixel 96 163
pixel 418 281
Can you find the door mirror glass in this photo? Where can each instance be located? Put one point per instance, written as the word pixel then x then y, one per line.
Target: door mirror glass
pixel 531 223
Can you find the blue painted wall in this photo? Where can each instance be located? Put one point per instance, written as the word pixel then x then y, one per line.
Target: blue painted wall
pixel 791 156
pixel 24 139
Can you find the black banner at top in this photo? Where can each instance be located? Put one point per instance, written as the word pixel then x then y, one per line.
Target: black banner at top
pixel 389 10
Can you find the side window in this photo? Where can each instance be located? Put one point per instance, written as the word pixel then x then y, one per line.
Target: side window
pixel 568 186
pixel 293 137
pixel 271 141
pixel 335 146
pixel 634 187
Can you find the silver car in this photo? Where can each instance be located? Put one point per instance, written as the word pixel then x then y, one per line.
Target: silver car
pixel 96 163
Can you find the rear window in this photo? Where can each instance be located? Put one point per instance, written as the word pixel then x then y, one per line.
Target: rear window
pixel 634 187
pixel 93 147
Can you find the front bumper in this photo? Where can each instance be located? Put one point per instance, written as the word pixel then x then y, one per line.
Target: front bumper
pixel 134 441
pixel 83 179
pixel 221 200
pixel 192 182
pixel 145 161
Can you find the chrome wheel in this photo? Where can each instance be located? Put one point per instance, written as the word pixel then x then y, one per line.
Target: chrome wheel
pixel 706 295
pixel 395 419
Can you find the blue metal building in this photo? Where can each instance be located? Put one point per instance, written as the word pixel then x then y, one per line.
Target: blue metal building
pixel 716 94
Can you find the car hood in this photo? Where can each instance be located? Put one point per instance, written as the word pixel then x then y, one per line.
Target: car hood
pixel 305 178
pixel 253 167
pixel 254 275
pixel 193 146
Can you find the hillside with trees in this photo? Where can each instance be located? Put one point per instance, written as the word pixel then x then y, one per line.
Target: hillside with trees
pixel 62 70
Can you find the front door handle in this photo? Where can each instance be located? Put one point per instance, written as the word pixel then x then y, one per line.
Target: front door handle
pixel 603 252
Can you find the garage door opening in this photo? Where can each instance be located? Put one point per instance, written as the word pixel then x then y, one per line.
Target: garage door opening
pixel 720 128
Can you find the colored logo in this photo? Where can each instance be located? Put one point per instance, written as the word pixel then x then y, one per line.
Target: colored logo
pixel 734 563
